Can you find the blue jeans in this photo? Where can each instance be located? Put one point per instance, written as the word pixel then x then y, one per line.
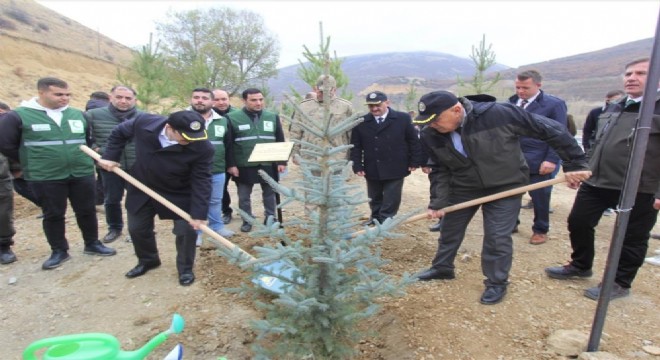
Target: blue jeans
pixel 113 189
pixel 215 203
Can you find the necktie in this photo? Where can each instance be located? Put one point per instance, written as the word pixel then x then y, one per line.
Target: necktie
pixel 379 120
pixel 630 102
pixel 523 103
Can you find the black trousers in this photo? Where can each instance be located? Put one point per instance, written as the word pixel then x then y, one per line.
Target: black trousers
pixel 6 214
pixel 590 202
pixel 384 198
pixel 141 229
pixel 53 196
pixel 226 199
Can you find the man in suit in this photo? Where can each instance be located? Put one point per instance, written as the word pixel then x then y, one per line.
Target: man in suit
pixel 541 158
pixel 174 159
pixel 386 149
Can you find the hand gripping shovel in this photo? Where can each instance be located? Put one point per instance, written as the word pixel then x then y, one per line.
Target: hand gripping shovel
pixel 270 283
pixel 484 199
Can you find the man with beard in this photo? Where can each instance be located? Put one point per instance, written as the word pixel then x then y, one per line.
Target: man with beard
pixel 251 126
pixel 121 108
pixel 201 102
pixel 222 106
pixel 44 136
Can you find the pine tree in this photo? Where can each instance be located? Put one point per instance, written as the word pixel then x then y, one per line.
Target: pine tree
pixel 336 279
pixel 483 58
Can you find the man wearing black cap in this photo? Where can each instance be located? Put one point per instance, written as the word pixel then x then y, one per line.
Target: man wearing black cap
pixel 385 150
pixel 474 151
pixel 173 159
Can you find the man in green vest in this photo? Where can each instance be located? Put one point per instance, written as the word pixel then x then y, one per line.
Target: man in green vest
pixel 44 135
pixel 201 102
pixel 222 106
pixel 251 126
pixel 102 120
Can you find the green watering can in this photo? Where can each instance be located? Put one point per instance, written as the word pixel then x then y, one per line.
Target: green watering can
pixel 96 346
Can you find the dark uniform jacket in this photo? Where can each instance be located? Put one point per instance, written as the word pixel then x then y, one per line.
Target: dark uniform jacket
pixel 386 151
pixel 612 148
pixel 181 174
pixel 490 136
pixel 537 151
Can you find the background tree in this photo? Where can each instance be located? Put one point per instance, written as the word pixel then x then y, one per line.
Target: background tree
pixel 483 58
pixel 149 75
pixel 218 47
pixel 411 99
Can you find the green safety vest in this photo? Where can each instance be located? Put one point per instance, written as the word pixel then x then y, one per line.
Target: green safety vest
pixel 247 134
pixel 217 132
pixel 51 152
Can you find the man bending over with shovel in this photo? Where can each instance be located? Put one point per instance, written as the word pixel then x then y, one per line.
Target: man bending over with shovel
pixel 474 150
pixel 173 158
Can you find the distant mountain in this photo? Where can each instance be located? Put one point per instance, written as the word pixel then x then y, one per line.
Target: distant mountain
pixel 393 68
pixel 585 76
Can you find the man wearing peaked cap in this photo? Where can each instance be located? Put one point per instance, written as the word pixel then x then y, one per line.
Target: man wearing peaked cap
pixel 174 159
pixel 385 150
pixel 474 151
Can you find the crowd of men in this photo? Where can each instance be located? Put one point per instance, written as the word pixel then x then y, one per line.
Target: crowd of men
pixel 189 157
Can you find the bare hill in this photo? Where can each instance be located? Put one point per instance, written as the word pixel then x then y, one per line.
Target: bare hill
pixel 37 42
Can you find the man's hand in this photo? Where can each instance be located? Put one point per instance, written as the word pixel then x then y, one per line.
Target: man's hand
pixel 412 168
pixel 196 224
pixel 107 165
pixel 547 167
pixel 281 168
pixel 360 173
pixel 426 169
pixel 233 171
pixel 574 178
pixel 435 214
pixel 656 204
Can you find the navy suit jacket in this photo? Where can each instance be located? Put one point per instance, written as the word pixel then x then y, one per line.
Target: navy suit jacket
pixel 538 151
pixel 386 151
pixel 180 173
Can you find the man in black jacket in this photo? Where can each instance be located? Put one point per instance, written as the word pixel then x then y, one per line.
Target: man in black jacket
pixel 103 120
pixel 174 159
pixel 609 159
pixel 474 150
pixel 385 150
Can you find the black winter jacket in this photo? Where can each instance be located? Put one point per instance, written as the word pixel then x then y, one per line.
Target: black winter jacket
pixel 490 135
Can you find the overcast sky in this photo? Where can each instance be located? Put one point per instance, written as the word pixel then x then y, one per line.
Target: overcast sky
pixel 521 32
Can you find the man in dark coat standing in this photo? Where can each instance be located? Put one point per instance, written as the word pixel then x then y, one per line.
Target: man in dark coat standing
pixel 385 150
pixel 542 160
pixel 173 158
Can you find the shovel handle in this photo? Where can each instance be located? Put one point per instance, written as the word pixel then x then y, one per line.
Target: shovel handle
pixel 484 199
pixel 177 210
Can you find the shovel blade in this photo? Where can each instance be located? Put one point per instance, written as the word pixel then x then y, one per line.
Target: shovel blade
pixel 272 283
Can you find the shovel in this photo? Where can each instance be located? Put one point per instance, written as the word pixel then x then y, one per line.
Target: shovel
pixel 482 200
pixel 270 283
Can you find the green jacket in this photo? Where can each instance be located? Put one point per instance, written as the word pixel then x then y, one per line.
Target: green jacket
pixel 247 134
pixel 51 152
pixel 102 122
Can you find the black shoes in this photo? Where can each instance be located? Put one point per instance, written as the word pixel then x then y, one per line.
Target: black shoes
pixel 567 271
pixel 186 279
pixel 112 235
pixel 246 227
pixel 6 255
pixel 435 274
pixel 617 292
pixel 493 295
pixel 99 249
pixel 141 269
pixel 226 218
pixel 56 259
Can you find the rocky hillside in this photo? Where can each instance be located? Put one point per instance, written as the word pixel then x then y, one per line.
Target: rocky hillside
pixel 37 42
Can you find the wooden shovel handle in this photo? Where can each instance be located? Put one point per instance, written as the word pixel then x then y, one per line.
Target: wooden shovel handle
pixel 184 215
pixel 484 199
